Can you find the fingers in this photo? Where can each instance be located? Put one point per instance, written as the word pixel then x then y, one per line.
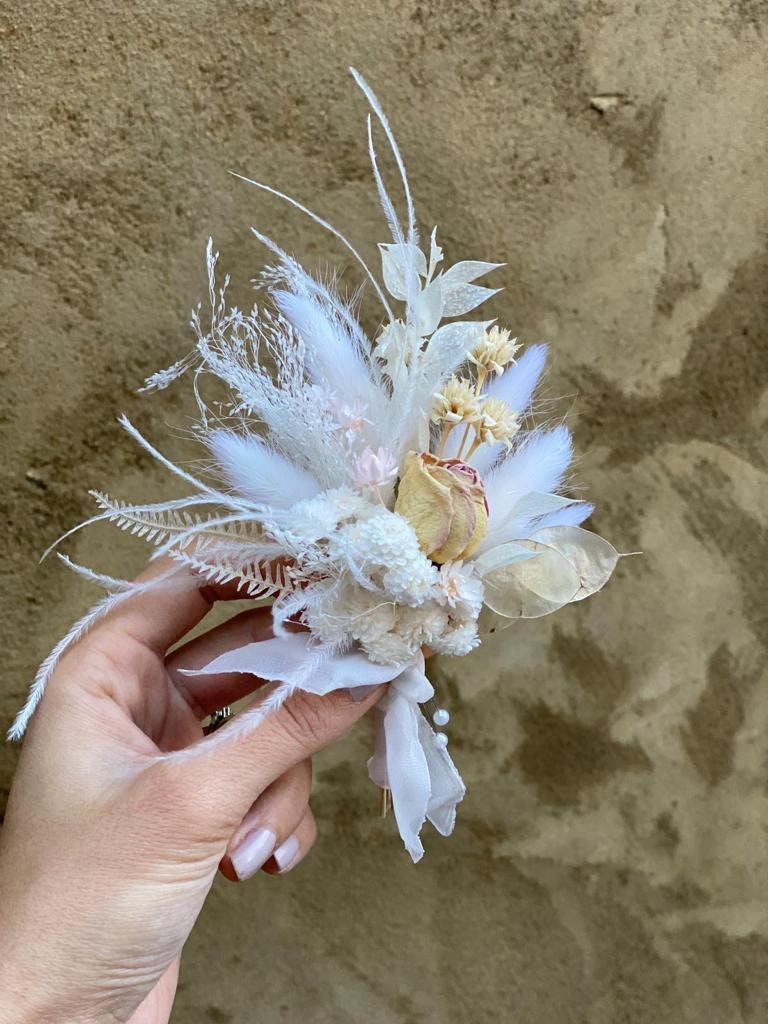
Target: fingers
pixel 170 600
pixel 220 774
pixel 277 831
pixel 205 694
pixel 304 724
pixel 295 848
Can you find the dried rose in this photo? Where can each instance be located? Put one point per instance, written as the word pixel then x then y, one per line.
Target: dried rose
pixel 444 501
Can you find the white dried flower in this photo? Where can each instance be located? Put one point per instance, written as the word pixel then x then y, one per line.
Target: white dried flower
pixel 349 417
pixel 372 621
pixel 385 551
pixel 390 649
pixel 326 612
pixel 375 469
pixel 497 422
pixel 460 589
pixel 458 641
pixel 496 351
pixel 456 403
pixel 316 519
pixel 423 625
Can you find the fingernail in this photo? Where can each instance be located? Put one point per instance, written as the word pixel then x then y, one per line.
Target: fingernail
pixel 359 693
pixel 287 853
pixel 252 852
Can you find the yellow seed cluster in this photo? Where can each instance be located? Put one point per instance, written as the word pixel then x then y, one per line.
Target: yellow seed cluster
pixel 461 401
pixel 495 352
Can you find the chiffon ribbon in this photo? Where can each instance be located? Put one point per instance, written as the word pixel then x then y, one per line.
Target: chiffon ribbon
pixel 408 758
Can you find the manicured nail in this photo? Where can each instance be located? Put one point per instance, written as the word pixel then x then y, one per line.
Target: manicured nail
pixel 359 693
pixel 252 852
pixel 287 854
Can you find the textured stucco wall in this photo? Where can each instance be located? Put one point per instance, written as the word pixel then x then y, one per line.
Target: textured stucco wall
pixel 610 862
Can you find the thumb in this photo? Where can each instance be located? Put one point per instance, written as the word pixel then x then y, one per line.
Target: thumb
pixel 229 768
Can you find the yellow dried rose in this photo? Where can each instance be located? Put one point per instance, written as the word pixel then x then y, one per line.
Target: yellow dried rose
pixel 444 501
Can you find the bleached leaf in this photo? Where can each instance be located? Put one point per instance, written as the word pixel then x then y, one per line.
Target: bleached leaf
pixel 502 556
pixel 427 309
pixel 468 270
pixel 254 578
pixel 536 503
pixel 450 345
pixel 399 262
pixel 460 298
pixel 435 253
pixel 489 623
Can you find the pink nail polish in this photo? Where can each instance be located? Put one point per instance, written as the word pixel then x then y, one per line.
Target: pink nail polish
pixel 252 852
pixel 287 853
pixel 359 693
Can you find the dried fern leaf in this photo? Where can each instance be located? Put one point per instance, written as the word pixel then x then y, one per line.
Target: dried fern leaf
pixel 257 579
pixel 160 526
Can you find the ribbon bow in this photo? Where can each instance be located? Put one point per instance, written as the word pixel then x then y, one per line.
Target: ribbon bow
pixel 408 759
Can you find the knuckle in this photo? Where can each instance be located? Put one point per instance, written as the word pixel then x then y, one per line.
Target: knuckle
pixel 169 793
pixel 306 718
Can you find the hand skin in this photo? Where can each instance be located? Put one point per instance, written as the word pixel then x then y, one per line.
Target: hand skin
pixel 110 845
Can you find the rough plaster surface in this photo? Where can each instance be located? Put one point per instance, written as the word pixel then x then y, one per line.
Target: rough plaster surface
pixel 610 862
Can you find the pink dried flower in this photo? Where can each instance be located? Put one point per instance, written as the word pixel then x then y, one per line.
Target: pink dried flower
pixel 375 468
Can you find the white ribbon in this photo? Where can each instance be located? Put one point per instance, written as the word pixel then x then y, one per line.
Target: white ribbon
pixel 407 758
pixel 409 762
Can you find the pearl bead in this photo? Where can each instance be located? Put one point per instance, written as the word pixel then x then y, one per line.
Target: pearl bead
pixel 441 717
pixel 441 740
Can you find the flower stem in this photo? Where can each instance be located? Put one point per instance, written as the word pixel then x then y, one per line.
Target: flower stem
pixel 464 440
pixel 475 445
pixel 444 438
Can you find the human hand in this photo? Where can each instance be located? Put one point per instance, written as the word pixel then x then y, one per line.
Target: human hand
pixel 111 843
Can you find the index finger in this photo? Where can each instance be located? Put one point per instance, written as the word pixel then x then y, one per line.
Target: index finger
pixel 168 601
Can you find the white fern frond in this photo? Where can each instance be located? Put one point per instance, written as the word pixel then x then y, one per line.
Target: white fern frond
pixel 256 579
pixel 159 525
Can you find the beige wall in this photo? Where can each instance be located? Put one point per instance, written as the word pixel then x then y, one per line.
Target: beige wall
pixel 610 861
